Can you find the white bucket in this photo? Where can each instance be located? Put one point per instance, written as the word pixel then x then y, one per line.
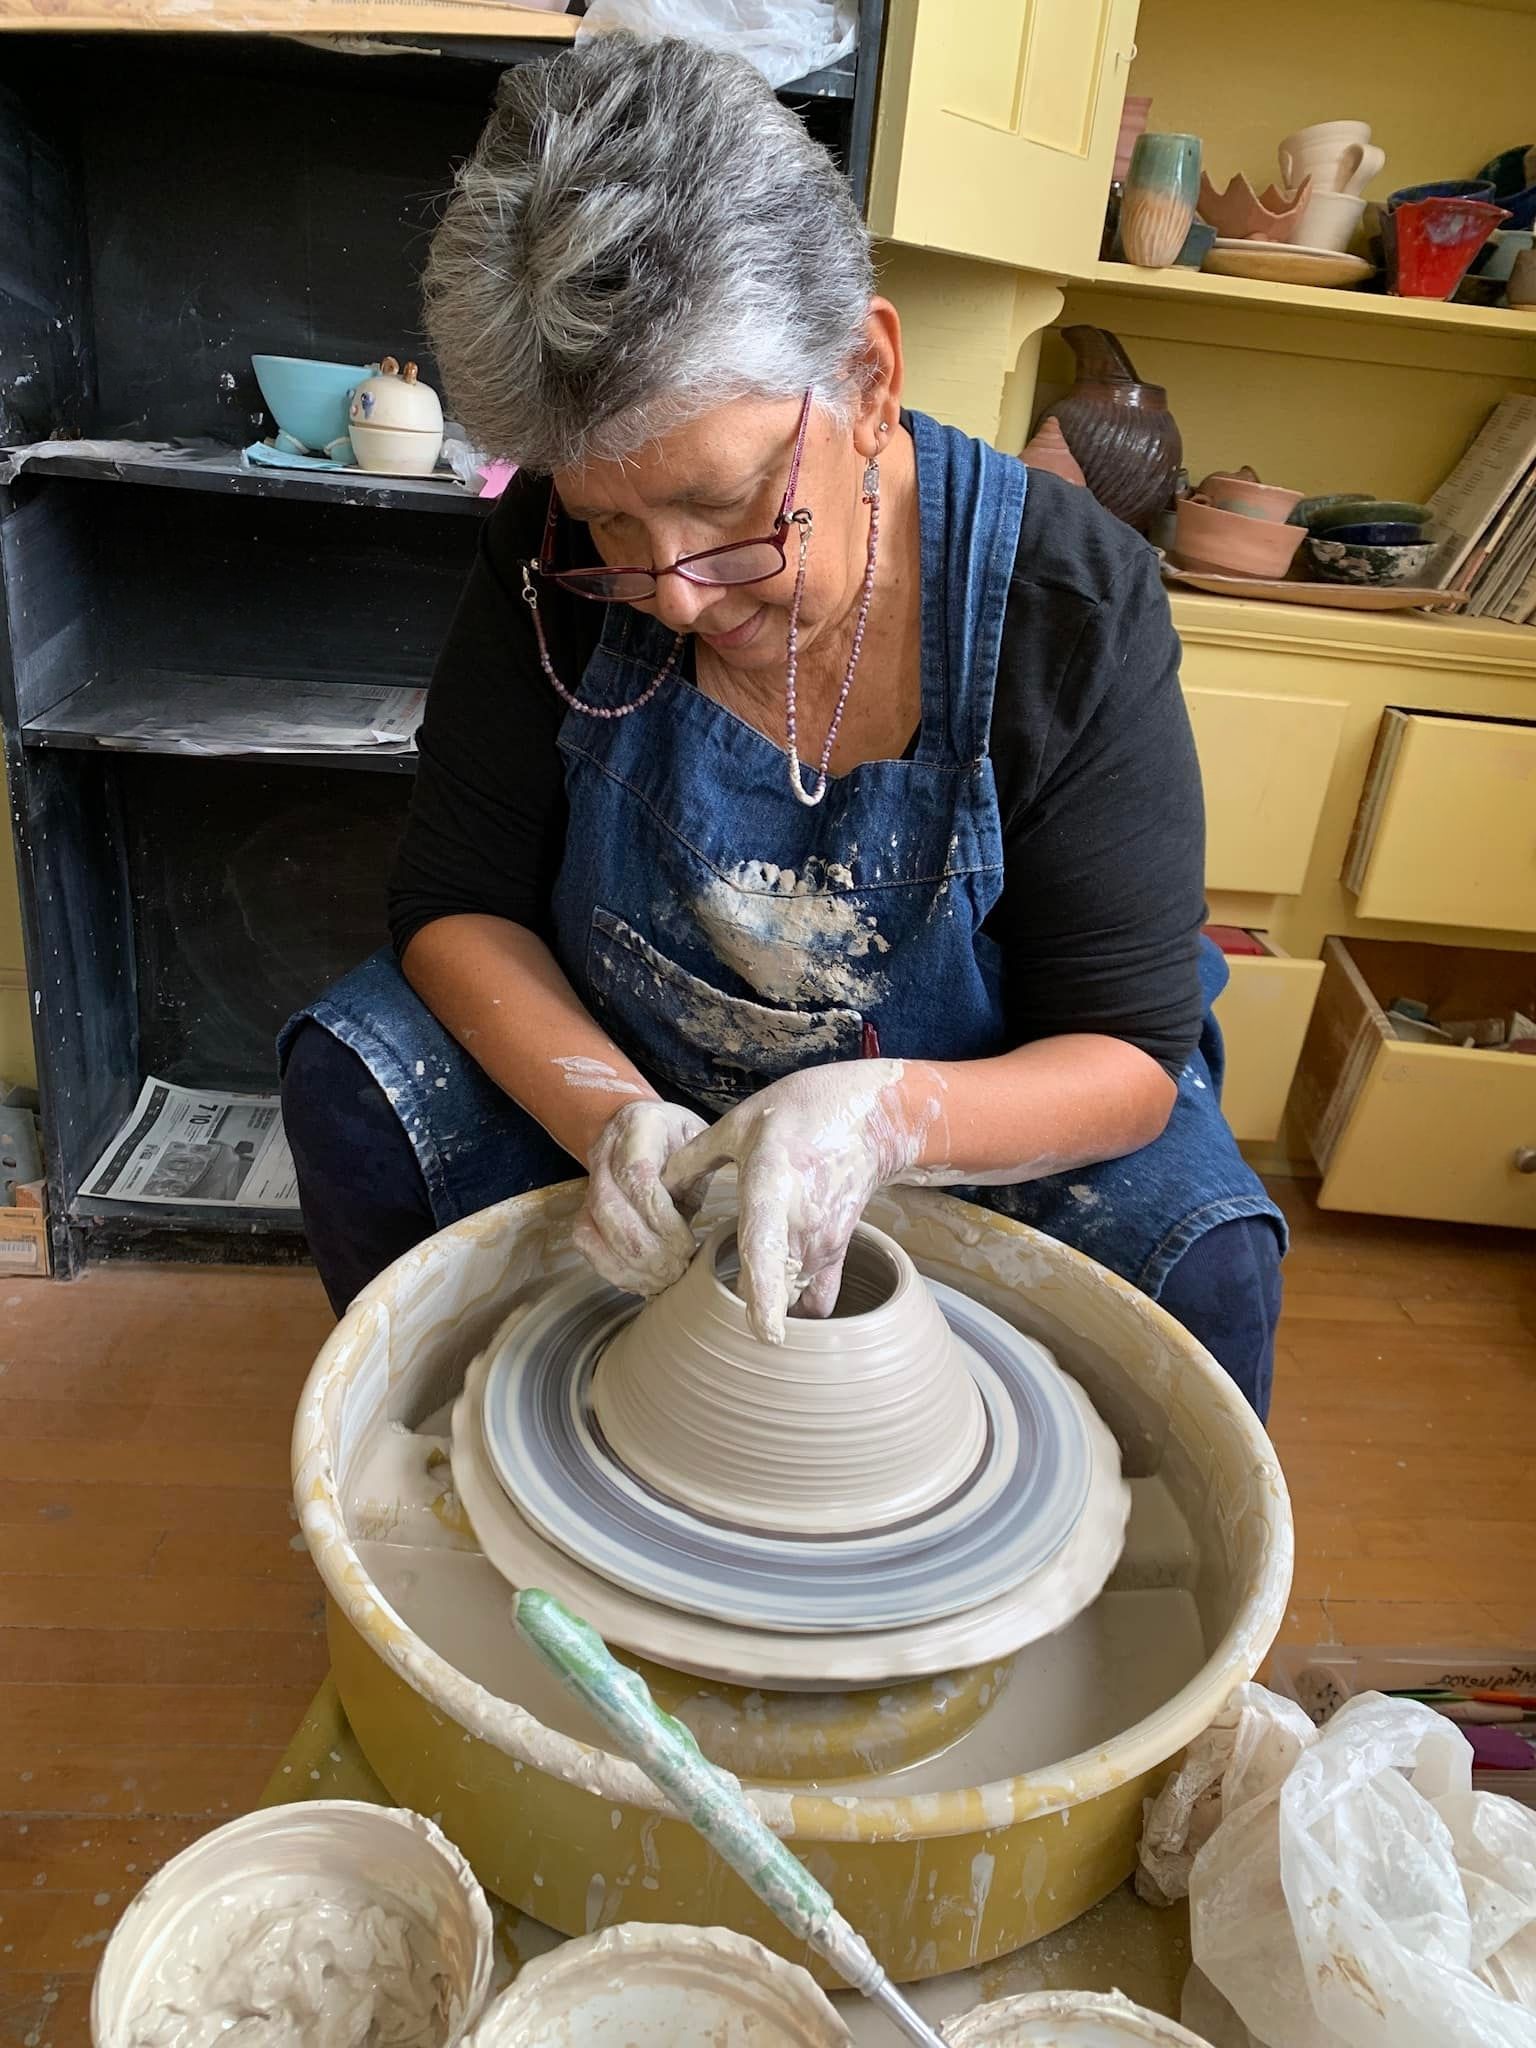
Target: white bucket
pixel 649 1986
pixel 402 1860
pixel 1066 2019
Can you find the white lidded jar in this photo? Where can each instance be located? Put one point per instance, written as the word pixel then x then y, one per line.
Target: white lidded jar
pixel 658 1986
pixel 396 422
pixel 1067 2019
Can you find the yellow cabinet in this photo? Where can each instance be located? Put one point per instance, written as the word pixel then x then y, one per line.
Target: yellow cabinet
pixel 1263 1012
pixel 1447 826
pixel 1265 761
pixel 997 126
pixel 1399 1129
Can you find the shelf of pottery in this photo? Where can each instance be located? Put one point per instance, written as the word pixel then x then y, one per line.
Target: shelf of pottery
pixel 1283 395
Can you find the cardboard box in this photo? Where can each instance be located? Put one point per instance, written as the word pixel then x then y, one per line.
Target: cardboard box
pixel 24 1253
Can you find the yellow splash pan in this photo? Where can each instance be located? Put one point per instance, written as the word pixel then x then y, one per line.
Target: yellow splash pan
pixel 578 1838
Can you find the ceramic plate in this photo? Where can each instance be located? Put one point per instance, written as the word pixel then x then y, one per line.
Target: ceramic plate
pixel 1012 1515
pixel 795 1663
pixel 1333 597
pixel 1285 263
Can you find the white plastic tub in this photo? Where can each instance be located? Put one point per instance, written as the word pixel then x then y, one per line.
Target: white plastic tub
pixel 403 1862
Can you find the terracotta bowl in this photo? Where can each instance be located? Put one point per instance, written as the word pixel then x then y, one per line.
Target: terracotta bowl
pixel 1239 214
pixel 1232 492
pixel 1232 544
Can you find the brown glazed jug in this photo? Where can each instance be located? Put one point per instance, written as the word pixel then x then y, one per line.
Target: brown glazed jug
pixel 1124 437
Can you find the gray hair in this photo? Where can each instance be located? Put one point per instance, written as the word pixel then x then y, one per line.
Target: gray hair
pixel 643 233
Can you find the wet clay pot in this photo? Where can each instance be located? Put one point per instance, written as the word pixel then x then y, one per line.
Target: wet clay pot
pixel 1125 439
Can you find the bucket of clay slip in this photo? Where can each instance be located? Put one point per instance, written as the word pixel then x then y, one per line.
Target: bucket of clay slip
pixel 193 1916
pixel 654 1986
pixel 1067 2019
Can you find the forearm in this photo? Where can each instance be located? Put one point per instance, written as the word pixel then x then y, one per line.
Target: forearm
pixel 500 991
pixel 1044 1108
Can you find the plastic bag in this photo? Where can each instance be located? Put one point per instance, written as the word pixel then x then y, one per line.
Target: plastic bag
pixel 1356 1892
pixel 784 38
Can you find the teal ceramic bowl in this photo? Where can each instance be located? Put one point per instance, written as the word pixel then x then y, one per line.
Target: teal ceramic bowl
pixel 1342 561
pixel 308 400
pixel 1322 515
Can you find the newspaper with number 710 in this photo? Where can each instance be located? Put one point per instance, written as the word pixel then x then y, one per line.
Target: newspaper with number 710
pixel 190 1145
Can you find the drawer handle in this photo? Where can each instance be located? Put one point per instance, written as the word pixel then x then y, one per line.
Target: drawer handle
pixel 1525 1159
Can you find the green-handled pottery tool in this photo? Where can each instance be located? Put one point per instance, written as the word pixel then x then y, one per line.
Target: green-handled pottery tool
pixel 709 1799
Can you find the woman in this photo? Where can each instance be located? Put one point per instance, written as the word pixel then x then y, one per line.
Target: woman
pixel 852 834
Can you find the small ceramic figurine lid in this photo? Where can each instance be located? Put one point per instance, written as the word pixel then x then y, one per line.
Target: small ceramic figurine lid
pixel 393 397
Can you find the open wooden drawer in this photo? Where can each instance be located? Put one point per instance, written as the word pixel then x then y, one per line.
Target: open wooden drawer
pixel 1263 1013
pixel 1400 1129
pixel 1446 832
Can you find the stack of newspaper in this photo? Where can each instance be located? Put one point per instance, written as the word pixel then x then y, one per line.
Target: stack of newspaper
pixel 1485 517
pixel 187 1145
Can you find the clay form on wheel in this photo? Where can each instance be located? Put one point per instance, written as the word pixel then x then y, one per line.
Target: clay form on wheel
pixel 1012 1516
pixel 855 1422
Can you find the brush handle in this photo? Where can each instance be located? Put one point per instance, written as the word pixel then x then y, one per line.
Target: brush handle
pixel 709 1799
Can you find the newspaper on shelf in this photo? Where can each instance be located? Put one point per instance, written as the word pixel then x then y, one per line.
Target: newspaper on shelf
pixel 203 1146
pixel 159 712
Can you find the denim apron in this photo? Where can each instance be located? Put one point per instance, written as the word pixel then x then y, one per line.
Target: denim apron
pixel 726 935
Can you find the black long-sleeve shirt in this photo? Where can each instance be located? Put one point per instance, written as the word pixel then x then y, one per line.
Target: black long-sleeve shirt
pixel 1098 786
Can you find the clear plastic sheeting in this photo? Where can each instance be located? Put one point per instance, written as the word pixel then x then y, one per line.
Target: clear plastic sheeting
pixel 785 39
pixel 1347 1887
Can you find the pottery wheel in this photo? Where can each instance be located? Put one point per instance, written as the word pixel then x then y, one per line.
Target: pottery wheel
pixel 1008 1518
pixel 773 1658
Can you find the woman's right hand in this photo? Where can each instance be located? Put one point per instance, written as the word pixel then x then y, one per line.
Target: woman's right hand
pixel 630 1229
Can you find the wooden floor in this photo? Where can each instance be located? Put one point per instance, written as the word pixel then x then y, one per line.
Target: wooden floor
pixel 160 1623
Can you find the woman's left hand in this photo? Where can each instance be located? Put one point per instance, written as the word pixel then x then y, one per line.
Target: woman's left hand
pixel 809 1150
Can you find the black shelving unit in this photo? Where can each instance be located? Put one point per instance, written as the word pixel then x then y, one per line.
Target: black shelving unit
pixel 170 205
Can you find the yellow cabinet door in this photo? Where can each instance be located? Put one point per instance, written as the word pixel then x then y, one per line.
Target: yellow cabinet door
pixel 1263 1011
pixel 997 125
pixel 1265 761
pixel 1450 824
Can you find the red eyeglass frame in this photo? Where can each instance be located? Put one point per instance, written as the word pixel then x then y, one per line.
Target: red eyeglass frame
pixel 587 582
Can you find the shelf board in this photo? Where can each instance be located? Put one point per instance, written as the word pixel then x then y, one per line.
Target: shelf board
pixel 351 18
pixel 1195 286
pixel 207 467
pixel 142 711
pixel 1411 639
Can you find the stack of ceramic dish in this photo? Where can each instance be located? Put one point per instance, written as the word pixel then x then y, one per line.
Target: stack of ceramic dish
pixel 1299 231
pixel 1352 538
pixel 906 1487
pixel 1360 553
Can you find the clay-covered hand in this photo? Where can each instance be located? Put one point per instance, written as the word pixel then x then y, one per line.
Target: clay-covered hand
pixel 809 1150
pixel 630 1228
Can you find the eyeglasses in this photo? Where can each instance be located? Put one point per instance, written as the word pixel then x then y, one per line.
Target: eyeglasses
pixel 744 561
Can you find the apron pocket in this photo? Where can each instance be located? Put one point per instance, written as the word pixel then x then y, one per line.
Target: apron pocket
pixel 714 1048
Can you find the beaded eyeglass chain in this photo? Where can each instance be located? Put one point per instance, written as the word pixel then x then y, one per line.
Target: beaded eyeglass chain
pixel 802 521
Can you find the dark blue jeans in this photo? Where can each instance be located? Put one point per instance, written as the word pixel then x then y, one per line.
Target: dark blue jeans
pixel 365 1203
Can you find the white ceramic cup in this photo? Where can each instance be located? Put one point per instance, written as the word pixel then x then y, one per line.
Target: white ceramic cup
pixel 1338 156
pixel 1328 220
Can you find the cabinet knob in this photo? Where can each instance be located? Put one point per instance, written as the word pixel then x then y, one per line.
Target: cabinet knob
pixel 1525 1159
